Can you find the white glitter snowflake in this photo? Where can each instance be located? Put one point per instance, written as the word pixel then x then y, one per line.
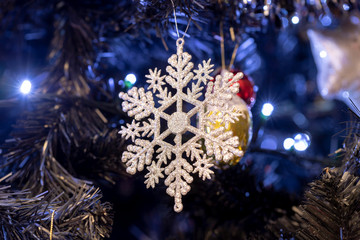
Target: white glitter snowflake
pixel 171 155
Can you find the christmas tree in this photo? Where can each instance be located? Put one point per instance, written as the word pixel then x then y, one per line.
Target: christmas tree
pixel 248 118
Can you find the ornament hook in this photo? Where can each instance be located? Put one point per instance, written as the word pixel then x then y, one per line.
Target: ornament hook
pixel 180 42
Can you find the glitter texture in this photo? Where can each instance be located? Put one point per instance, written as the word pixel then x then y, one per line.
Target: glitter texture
pixel 171 157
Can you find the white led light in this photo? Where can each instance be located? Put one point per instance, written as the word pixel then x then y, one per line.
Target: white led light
pixel 346 7
pixel 295 19
pixel 25 87
pixel 323 54
pixel 302 142
pixel 131 78
pixel 267 109
pixel 288 143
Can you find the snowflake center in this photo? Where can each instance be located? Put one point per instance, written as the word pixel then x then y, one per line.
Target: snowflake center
pixel 178 122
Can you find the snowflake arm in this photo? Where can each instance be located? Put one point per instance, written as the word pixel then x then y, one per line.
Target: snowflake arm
pixel 203 167
pixel 164 96
pixel 155 170
pixel 231 116
pixel 195 91
pixel 194 151
pixel 221 91
pixel 223 145
pixel 155 80
pixel 180 70
pixel 202 74
pixel 133 130
pixel 138 155
pixel 156 83
pixel 152 177
pixel 138 103
pixel 227 116
pixel 164 153
pixel 178 181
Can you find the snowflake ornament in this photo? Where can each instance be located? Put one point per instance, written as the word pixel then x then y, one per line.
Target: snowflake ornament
pixel 168 132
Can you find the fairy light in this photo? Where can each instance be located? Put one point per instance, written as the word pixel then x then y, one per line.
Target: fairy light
pixel 323 54
pixel 302 142
pixel 267 109
pixel 288 143
pixel 25 87
pixel 131 78
pixel 295 20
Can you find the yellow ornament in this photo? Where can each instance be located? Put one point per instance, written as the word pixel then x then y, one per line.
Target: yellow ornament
pixel 241 128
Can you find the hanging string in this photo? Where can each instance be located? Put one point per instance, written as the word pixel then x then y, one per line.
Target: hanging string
pixel 187 27
pixel 52 224
pixel 176 24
